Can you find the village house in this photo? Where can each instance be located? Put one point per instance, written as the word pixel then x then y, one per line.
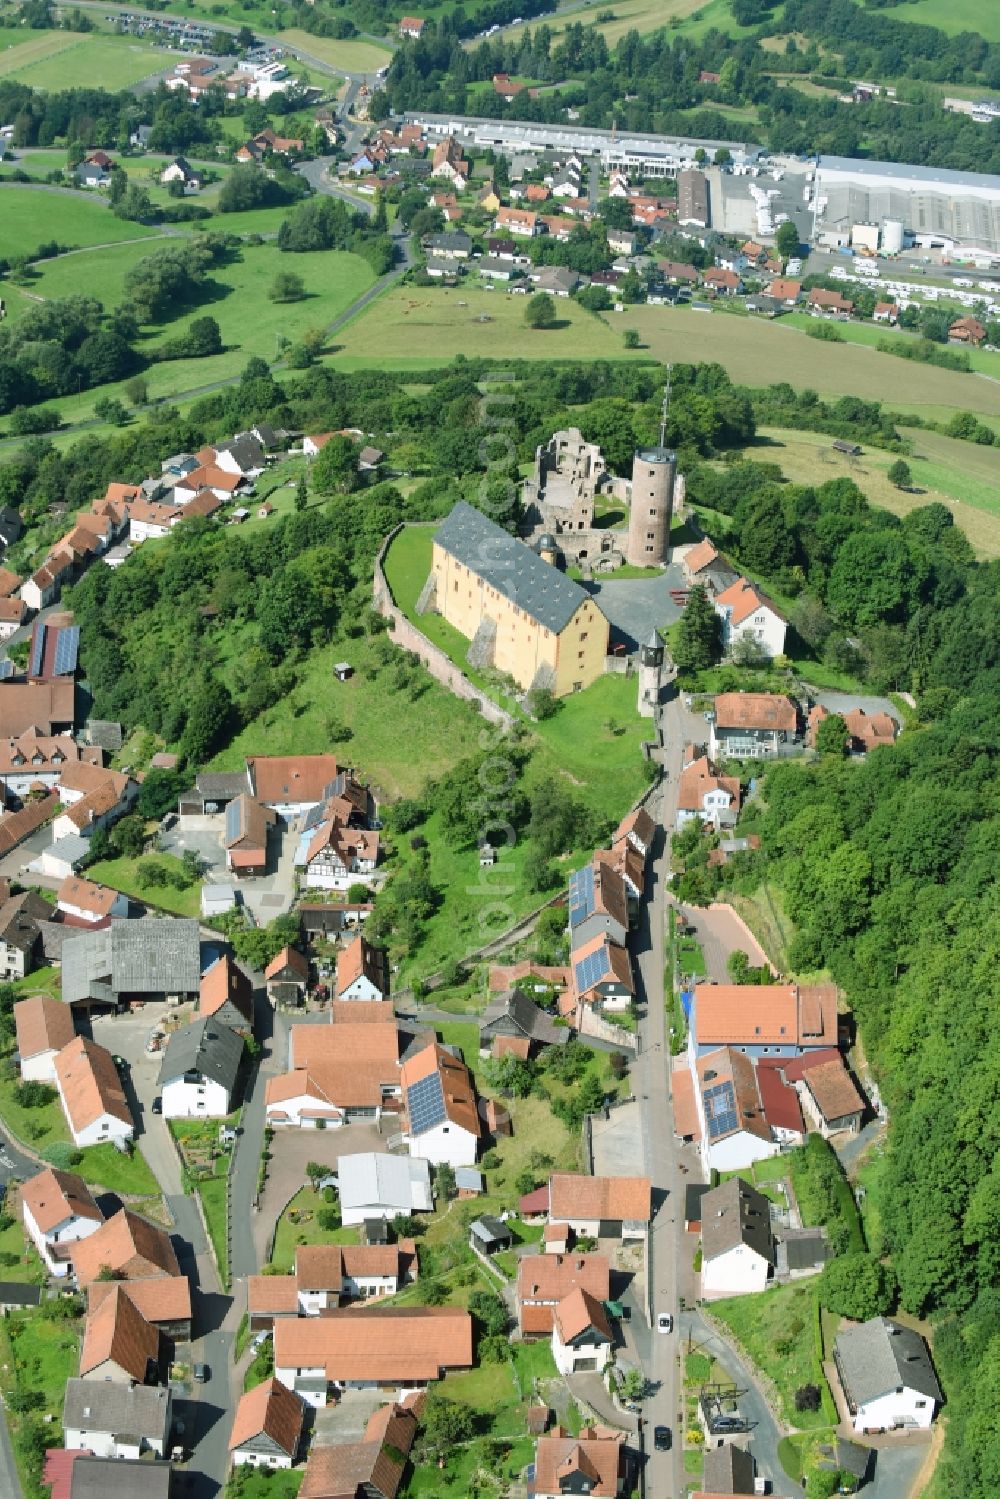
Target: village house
pixel 43 709
pixel 597 1207
pixel 602 977
pixel 722 282
pixel 180 170
pixel 84 904
pixel 267 1427
pixel 718 1103
pixel 21 919
pixel 412 27
pixel 362 972
pixel 199 1070
pixel 545 1280
pixel 830 1099
pixel 967 330
pixel 748 614
pixel 751 725
pixel 31 762
pixel 328 1276
pixel 596 1463
pixel 58 1210
pixel 385 1349
pixel 764 1020
pixel 521 222
pixel 376 1185
pixel 139 1255
pixel 830 303
pixel 512 1024
pixel 638 829
pixel 119 1345
pixel 286 977
pixel 164 1301
pixel 737 1245
pixel 43 1026
pixel 372 1467
pixel 624 860
pixel 13 613
pixel 91 1094
pixel 885 312
pixel 334 856
pixel 865 731
pixel 116 1420
pixel 449 163
pixel 226 995
pixel 887 1377
pixel 247 825
pixel 705 794
pixel 340 1074
pixel 455 245
pixel 291 784
pixel 785 291
pixel 582 1334
pixel 442 1120
pixel 597 905
pixel 111 799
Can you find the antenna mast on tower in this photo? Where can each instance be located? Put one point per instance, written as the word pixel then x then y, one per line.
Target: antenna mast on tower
pixel 665 408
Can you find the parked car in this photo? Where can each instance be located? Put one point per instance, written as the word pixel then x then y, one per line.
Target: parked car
pixel 661 1438
pixel 157 1105
pixel 199 1373
pixel 665 1322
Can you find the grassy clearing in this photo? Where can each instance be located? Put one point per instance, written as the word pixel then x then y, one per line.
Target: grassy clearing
pixel 763 915
pixel 40 1353
pixel 32 215
pixel 871 335
pixel 871 1176
pixel 953 16
pixel 776 1329
pixel 752 351
pixel 643 16
pixel 37 1127
pixel 348 56
pixel 398 743
pixel 61 59
pixel 299 1224
pixel 123 874
pixel 414 327
pixel 961 475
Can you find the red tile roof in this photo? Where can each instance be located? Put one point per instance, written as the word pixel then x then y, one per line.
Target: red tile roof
pixel 611 1197
pixel 42 1024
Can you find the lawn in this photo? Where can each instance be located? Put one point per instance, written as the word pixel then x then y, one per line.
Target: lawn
pixel 691 958
pixel 128 1175
pixel 962 475
pixel 303 1228
pixel 123 874
pixel 18 1256
pixel 264 1483
pixel 398 741
pixel 32 215
pixel 757 352
pixel 414 327
pixel 214 1200
pixel 347 56
pixel 36 1127
pixel 776 1328
pixel 207 1164
pixel 39 1352
pixel 871 1177
pixel 63 59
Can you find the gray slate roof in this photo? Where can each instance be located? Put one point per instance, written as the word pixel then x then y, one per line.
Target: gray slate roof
pixel 878 1356
pixel 110 1478
pixel 527 1018
pixel 728 1470
pixel 133 957
pixel 510 567
pixel 207 1047
pixel 735 1214
pixel 102 1405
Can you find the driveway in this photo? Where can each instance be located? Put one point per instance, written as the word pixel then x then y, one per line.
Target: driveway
pixel 619 1147
pixel 636 606
pixel 720 932
pixel 843 702
pixel 291 1152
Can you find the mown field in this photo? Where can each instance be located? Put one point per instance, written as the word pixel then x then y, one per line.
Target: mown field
pixel 65 59
pixel 961 475
pixel 692 17
pixel 760 353
pixel 29 216
pixel 953 16
pixel 351 56
pixel 414 327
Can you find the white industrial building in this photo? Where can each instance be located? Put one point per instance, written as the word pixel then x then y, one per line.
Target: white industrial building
pixel 928 206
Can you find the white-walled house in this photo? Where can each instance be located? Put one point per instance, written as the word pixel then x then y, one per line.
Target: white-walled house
pixel 442 1120
pixel 703 793
pixel 748 614
pixel 267 1427
pixel 116 1420
pixel 732 1126
pixel 58 1210
pixel 582 1335
pixel 362 971
pixel 92 1096
pixel 83 901
pixel 887 1376
pixel 737 1245
pixel 199 1070
pixel 43 1026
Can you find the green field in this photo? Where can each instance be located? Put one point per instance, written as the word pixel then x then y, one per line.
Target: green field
pixel 759 353
pixel 776 1328
pixel 65 59
pixel 962 475
pixel 348 56
pixel 869 334
pixel 123 874
pixel 413 328
pixel 692 17
pixel 953 16
pixel 29 216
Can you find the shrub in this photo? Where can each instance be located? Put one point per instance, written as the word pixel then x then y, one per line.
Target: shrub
pixel 807 1398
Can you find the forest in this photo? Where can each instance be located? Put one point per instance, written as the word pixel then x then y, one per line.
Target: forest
pixel 652 83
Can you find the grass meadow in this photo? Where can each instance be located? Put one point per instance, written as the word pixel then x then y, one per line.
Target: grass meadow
pixel 692 17
pixel 349 56
pixel 953 16
pixel 64 59
pixel 29 216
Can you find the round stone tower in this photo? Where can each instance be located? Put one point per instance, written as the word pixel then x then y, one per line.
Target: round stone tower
pixel 654 474
pixel 650 675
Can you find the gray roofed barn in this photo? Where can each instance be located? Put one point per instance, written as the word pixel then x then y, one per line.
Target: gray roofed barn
pixel 246 450
pixel 513 569
pixel 733 1214
pixel 132 958
pixel 110 1478
pixel 123 1410
pixel 207 1047
pixel 877 1357
pixel 512 1013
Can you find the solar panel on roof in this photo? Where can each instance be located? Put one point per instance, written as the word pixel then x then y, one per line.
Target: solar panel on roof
pixel 720 1110
pixel 425 1103
pixel 233 820
pixel 581 895
pixel 590 970
pixel 67 651
pixel 37 651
